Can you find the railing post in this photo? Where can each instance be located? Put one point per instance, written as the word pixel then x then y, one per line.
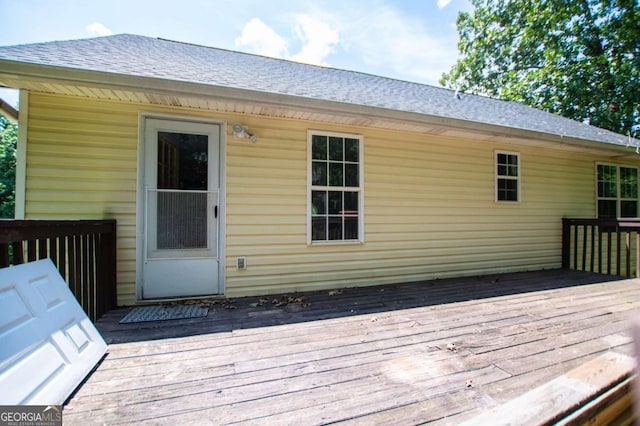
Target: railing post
pixel 566 243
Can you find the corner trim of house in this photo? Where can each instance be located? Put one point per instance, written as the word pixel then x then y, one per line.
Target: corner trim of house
pixel 21 156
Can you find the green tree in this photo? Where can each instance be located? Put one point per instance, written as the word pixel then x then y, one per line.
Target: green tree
pixel 576 58
pixel 8 146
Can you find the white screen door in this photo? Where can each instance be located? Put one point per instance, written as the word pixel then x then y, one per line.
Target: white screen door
pixel 181 185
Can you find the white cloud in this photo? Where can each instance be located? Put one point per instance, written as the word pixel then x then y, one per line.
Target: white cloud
pixel 443 3
pixel 318 40
pixel 392 43
pixel 262 39
pixel 98 29
pixel 379 40
pixel 315 37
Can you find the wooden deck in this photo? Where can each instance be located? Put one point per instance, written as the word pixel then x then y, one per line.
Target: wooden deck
pixel 439 351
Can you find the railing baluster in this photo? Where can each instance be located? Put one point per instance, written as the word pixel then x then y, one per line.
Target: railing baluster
pixel 593 246
pixel 62 253
pixel 584 247
pixel 599 249
pixel 42 248
pixel 618 251
pixel 31 251
pixel 575 247
pixel 628 253
pixel 18 252
pixel 609 251
pixel 91 278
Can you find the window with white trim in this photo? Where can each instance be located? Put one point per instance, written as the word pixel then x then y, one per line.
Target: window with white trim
pixel 617 194
pixel 507 176
pixel 335 187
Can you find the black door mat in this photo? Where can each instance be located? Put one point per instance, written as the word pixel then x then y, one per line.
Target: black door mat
pixel 162 313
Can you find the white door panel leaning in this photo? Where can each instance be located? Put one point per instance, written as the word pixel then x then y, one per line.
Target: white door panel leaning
pixel 47 343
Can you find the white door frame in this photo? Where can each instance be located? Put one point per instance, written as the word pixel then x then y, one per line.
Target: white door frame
pixel 140 194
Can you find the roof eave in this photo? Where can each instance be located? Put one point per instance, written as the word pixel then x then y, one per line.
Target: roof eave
pixel 100 79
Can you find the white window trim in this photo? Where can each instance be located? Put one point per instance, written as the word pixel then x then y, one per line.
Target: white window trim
pixel 497 176
pixel 360 240
pixel 618 199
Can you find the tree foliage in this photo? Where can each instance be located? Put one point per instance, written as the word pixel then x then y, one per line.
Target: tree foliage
pixel 576 58
pixel 8 146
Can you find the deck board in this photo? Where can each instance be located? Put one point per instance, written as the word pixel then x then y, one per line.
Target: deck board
pixel 376 355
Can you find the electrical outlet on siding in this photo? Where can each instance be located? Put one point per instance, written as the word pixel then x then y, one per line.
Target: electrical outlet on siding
pixel 241 262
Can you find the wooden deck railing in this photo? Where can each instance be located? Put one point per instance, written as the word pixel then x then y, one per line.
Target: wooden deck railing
pixel 84 252
pixel 608 246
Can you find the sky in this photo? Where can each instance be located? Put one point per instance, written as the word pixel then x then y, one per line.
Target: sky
pixel 413 40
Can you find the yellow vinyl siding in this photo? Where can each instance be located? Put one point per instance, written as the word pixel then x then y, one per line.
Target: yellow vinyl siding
pixel 429 201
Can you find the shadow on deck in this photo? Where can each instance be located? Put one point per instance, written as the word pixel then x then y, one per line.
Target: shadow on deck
pixel 242 313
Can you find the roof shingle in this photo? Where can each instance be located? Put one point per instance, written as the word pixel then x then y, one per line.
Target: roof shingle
pixel 150 57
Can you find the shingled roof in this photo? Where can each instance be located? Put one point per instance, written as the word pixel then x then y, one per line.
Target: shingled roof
pixel 146 57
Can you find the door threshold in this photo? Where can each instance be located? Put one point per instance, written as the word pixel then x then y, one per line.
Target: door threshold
pixel 178 299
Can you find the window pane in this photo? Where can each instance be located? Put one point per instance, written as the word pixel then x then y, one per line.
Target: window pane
pixel 507 165
pixel 351 228
pixel 335 174
pixel 628 182
pixel 319 228
pixel 336 149
pixel 607 209
pixel 351 177
pixel 319 202
pixel 607 189
pixel 351 203
pixel 507 190
pixel 607 185
pixel 335 228
pixel 335 202
pixel 629 209
pixel 319 173
pixel 319 150
pixel 351 150
pixel 182 161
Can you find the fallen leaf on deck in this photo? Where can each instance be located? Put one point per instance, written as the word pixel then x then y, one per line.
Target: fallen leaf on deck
pixel 334 292
pixel 452 347
pixel 254 305
pixel 374 319
pixel 469 383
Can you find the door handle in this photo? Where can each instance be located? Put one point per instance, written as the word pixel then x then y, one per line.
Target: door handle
pixel 215 212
